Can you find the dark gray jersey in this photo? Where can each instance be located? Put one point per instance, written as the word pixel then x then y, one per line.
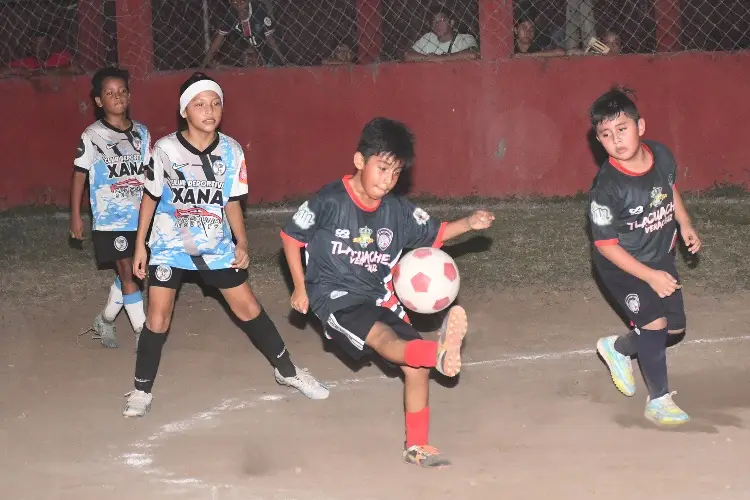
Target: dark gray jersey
pixel 351 249
pixel 636 210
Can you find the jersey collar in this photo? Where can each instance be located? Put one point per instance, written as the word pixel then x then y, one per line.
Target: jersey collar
pixel 193 149
pixel 347 181
pixel 619 166
pixel 112 127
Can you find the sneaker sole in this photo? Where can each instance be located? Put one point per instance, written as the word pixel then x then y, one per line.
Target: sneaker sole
pixel 615 380
pixel 127 415
pixel 660 423
pixel 450 341
pixel 285 384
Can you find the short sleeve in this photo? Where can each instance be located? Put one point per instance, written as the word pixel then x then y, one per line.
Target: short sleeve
pixel 420 229
pixel 146 147
pixel 602 207
pixel 86 154
pixel 228 20
pixel 239 183
pixel 154 182
pixel 304 222
pixel 464 42
pixel 424 45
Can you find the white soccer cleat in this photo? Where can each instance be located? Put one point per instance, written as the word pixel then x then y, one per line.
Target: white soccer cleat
pixel 304 383
pixel 105 332
pixel 138 404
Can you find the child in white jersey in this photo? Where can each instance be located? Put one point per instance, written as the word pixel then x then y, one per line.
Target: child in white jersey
pixel 194 186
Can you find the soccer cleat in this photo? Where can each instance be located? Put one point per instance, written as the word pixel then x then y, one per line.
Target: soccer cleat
pixel 105 332
pixel 450 337
pixel 664 411
pixel 304 383
pixel 620 367
pixel 138 403
pixel 425 456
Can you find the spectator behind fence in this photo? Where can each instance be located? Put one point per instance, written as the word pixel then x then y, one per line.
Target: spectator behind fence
pixel 613 41
pixel 527 43
pixel 41 58
pixel 443 43
pixel 342 54
pixel 251 21
pixel 580 24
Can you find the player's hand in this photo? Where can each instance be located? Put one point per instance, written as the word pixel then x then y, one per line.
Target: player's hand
pixel 663 283
pixel 300 302
pixel 690 237
pixel 76 228
pixel 140 258
pixel 241 257
pixel 481 219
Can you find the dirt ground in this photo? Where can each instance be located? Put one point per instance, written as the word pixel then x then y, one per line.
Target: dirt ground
pixel 533 415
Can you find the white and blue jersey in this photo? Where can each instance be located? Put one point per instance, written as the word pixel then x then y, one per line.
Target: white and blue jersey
pixel 114 161
pixel 190 229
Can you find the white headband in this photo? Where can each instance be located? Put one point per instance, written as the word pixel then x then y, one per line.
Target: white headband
pixel 195 89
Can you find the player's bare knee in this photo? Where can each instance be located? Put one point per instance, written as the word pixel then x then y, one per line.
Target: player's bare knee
pixel 416 374
pixel 246 311
pixel 657 324
pixel 380 336
pixel 158 321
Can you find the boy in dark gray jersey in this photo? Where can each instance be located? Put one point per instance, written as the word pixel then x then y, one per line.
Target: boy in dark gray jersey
pixel 635 210
pixel 354 230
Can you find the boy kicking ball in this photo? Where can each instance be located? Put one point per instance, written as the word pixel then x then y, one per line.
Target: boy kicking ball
pixel 354 230
pixel 635 210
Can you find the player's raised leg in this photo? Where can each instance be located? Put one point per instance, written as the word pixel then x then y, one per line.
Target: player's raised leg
pixel 154 334
pixel 132 298
pixel 265 336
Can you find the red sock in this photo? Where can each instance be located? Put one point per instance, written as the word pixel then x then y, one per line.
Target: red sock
pixel 417 427
pixel 421 353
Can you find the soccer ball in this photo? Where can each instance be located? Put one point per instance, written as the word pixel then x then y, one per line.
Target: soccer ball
pixel 426 280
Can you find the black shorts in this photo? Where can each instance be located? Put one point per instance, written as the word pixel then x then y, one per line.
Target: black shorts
pixel 640 303
pixel 171 277
pixel 111 246
pixel 350 326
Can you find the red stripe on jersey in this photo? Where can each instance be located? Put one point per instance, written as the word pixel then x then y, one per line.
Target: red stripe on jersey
pixel 619 166
pixel 288 238
pixel 606 243
pixel 347 180
pixel 439 240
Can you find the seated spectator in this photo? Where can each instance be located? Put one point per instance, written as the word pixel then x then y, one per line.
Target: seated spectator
pixel 526 40
pixel 613 41
pixel 41 58
pixel 342 54
pixel 443 43
pixel 250 20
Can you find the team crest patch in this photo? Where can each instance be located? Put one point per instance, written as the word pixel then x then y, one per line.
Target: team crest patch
pixel 384 238
pixel 137 144
pixel 219 167
pixel 601 215
pixel 657 197
pixel 365 237
pixel 121 243
pixel 267 21
pixel 633 302
pixel 163 272
pixel 304 218
pixel 421 216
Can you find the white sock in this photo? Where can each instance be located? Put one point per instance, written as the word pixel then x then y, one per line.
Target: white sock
pixel 114 301
pixel 134 308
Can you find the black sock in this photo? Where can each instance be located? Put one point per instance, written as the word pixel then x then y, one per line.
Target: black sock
pixel 627 344
pixel 652 357
pixel 674 338
pixel 147 359
pixel 263 334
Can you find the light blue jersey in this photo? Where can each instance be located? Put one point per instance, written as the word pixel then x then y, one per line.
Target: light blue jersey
pixel 114 161
pixel 190 229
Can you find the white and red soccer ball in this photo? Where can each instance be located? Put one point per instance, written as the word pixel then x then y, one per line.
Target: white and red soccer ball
pixel 426 280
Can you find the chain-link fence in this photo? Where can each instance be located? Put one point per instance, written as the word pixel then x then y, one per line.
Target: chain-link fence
pixel 78 35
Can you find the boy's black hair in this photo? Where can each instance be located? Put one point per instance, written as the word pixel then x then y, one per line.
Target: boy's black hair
pixel 610 104
pixel 441 9
pixel 386 136
pixel 97 82
pixel 182 123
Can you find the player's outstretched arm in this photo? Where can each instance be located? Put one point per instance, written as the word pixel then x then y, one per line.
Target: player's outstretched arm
pixel 146 213
pixel 299 301
pixel 481 219
pixel 76 196
pixel 237 225
pixel 689 236
pixel 662 282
